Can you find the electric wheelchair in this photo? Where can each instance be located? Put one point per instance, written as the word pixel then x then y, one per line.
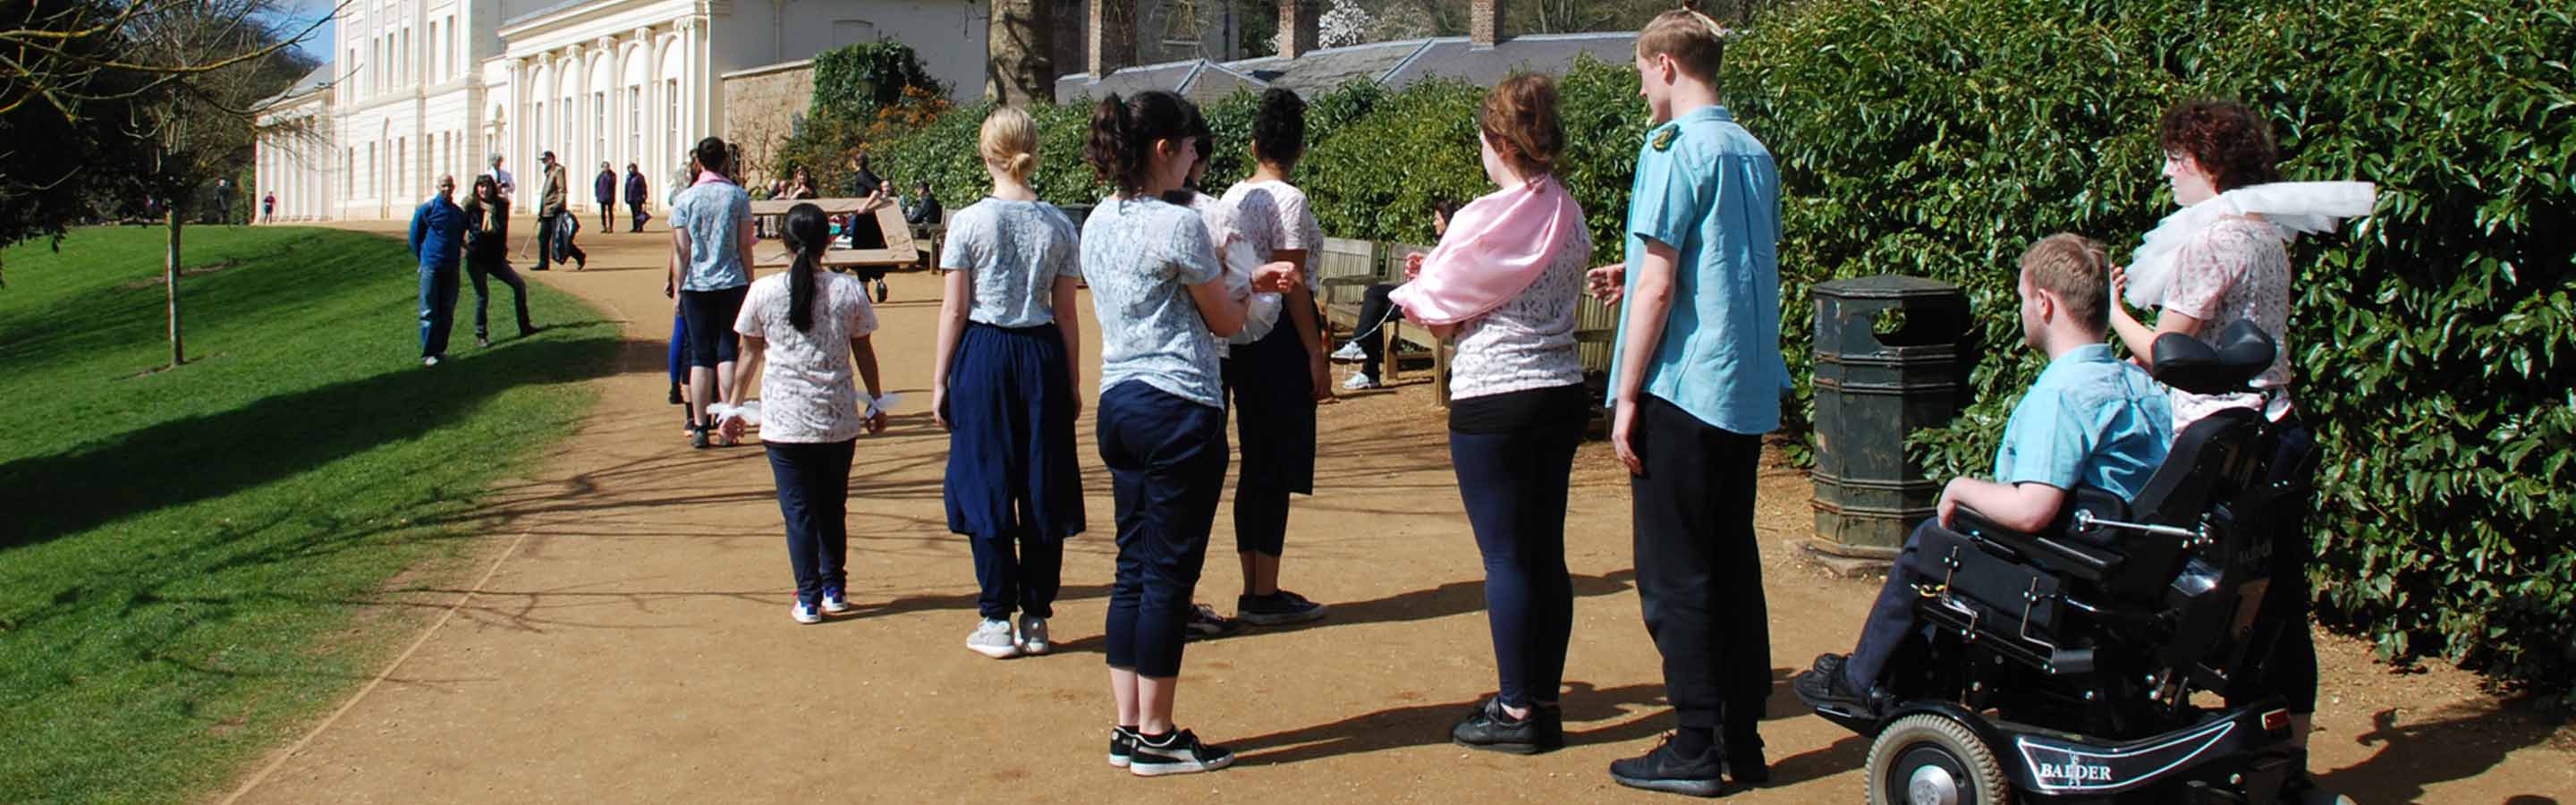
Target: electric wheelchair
pixel 2062 666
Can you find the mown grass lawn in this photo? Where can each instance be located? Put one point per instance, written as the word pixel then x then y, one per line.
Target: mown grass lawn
pixel 186 556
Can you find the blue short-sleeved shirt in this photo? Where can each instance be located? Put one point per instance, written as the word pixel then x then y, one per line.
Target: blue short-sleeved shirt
pixel 713 215
pixel 1015 250
pixel 2090 420
pixel 1140 256
pixel 1708 189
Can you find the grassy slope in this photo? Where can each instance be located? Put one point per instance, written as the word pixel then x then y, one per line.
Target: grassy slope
pixel 183 553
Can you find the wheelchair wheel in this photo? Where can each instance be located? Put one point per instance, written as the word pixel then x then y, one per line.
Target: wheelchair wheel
pixel 1930 759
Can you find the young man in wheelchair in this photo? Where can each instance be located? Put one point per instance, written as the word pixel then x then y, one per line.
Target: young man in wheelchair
pixel 2090 420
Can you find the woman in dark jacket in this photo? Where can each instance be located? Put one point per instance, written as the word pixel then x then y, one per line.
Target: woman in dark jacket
pixel 487 233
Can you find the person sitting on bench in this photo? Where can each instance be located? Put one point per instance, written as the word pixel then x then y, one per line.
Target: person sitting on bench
pixel 2089 420
pixel 1376 310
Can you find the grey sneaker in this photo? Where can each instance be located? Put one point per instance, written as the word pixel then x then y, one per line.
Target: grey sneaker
pixel 992 638
pixel 1033 635
pixel 1349 353
pixel 1360 382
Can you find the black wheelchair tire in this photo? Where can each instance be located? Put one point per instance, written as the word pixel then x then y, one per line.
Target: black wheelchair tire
pixel 1925 739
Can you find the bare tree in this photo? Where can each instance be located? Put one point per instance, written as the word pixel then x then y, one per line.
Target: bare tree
pixel 183 76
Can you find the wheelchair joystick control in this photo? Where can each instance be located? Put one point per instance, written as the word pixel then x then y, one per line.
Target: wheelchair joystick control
pixel 2086 520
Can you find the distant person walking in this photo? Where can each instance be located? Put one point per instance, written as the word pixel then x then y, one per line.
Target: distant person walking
pixel 636 196
pixel 710 269
pixel 554 220
pixel 268 207
pixel 223 201
pixel 1004 384
pixel 814 325
pixel 487 256
pixel 437 232
pixel 603 188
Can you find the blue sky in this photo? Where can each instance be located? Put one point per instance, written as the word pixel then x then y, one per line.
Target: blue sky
pixel 295 14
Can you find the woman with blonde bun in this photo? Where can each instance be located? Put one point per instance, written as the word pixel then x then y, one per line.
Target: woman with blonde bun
pixel 1005 387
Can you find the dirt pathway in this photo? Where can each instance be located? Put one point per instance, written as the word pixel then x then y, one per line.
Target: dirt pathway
pixel 635 645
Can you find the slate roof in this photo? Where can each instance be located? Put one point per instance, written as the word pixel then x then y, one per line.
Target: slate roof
pixel 1395 64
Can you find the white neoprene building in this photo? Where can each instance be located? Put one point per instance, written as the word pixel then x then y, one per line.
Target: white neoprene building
pixel 420 88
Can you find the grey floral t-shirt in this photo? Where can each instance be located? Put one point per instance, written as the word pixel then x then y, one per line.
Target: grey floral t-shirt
pixel 1275 216
pixel 1015 251
pixel 1140 256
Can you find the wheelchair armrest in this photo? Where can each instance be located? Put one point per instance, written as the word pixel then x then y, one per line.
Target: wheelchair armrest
pixel 2083 561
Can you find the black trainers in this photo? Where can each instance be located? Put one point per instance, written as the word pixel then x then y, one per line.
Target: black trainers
pixel 1204 624
pixel 1282 607
pixel 1667 771
pixel 1492 729
pixel 1830 690
pixel 1122 745
pixel 881 291
pixel 1178 752
pixel 675 392
pixel 698 437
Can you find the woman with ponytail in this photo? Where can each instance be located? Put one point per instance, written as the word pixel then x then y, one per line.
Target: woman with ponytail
pixel 1003 384
pixel 811 326
pixel 1159 293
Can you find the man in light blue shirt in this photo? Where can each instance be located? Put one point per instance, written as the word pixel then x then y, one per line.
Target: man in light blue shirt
pixel 1695 379
pixel 2090 420
pixel 437 234
pixel 710 273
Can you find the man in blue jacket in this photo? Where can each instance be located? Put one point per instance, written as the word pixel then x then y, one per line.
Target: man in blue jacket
pixel 437 233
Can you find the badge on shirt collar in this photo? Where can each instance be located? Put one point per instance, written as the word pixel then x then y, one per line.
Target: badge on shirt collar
pixel 1664 138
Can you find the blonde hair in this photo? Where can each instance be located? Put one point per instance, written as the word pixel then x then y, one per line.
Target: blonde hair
pixel 2078 271
pixel 1693 40
pixel 1010 142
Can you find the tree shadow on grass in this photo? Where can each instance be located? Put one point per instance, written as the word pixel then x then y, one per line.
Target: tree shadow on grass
pixel 202 457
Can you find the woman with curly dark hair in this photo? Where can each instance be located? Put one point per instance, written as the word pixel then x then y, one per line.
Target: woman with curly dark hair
pixel 2224 259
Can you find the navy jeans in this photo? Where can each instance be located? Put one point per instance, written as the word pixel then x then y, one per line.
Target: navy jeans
pixel 1022 574
pixel 438 287
pixel 1166 458
pixel 1891 618
pixel 814 497
pixel 1514 485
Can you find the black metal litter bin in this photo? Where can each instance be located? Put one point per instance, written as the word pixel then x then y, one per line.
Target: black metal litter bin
pixel 1888 362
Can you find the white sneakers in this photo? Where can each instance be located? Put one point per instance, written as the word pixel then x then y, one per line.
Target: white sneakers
pixel 1359 382
pixel 804 613
pixel 1033 635
pixel 834 602
pixel 992 638
pixel 1349 353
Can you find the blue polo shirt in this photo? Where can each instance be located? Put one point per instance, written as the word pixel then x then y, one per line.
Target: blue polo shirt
pixel 1705 187
pixel 2090 420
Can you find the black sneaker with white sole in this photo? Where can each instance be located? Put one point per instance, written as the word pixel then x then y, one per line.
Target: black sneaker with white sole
pixel 1177 752
pixel 1205 624
pixel 1276 609
pixel 1122 745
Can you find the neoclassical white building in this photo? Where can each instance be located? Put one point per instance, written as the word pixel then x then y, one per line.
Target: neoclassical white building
pixel 421 88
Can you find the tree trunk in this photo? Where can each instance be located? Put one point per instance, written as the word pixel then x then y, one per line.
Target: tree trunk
pixel 170 275
pixel 1019 67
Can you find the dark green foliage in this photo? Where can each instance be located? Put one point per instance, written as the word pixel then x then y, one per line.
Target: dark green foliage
pixel 2431 341
pixel 852 82
pixel 2435 342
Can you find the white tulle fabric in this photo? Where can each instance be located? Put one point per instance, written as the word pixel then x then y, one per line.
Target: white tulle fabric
pixel 2296 207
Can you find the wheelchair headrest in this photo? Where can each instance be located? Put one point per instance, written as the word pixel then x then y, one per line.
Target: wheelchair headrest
pixel 2243 352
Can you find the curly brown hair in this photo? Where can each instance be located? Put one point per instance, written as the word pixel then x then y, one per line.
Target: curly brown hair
pixel 2229 141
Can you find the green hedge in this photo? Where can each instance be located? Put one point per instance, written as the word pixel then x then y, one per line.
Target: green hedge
pixel 2435 342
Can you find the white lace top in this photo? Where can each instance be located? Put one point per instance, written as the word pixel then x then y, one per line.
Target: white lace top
pixel 2238 269
pixel 1528 342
